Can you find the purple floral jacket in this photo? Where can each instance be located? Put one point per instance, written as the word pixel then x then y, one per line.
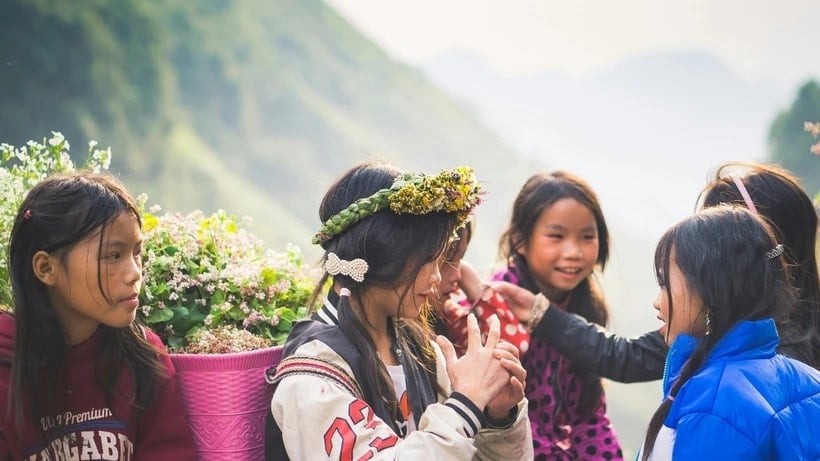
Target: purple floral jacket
pixel 559 432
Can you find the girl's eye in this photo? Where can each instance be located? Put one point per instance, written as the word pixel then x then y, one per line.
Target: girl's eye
pixel 555 236
pixel 114 256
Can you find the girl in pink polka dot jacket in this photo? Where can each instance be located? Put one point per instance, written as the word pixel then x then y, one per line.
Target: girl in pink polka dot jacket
pixel 556 238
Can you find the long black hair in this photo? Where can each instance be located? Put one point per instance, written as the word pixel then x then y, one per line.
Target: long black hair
pixel 778 196
pixel 395 246
pixel 537 194
pixel 56 215
pixel 722 253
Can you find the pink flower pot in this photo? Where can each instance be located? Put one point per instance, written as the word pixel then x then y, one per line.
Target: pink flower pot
pixel 226 399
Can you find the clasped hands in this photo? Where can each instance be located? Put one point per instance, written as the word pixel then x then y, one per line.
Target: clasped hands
pixel 488 374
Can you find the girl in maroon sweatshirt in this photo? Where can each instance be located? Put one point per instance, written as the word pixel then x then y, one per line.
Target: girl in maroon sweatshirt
pixel 79 379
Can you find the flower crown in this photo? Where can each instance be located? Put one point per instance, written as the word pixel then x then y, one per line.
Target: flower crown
pixel 452 191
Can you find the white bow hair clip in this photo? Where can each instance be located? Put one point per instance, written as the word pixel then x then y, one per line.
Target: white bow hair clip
pixel 354 269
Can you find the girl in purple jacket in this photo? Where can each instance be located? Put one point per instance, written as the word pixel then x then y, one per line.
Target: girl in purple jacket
pixel 556 238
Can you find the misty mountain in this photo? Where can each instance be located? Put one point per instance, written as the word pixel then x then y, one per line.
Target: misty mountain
pixel 675 115
pixel 250 106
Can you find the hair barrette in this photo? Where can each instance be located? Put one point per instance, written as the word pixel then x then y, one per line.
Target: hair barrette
pixel 354 269
pixel 776 251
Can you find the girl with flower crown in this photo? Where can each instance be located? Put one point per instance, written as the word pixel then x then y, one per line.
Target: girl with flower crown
pixel 362 379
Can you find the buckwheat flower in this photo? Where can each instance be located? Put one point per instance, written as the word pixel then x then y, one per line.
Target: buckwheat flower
pixel 208 319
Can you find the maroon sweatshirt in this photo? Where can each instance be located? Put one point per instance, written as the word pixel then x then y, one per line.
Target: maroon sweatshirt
pixel 93 430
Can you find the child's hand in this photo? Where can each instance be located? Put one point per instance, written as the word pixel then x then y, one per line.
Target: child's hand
pixel 513 392
pixel 519 299
pixel 478 375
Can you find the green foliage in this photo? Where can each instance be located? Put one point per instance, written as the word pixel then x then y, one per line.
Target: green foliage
pixel 210 285
pixel 23 167
pixel 252 105
pixel 208 281
pixel 790 144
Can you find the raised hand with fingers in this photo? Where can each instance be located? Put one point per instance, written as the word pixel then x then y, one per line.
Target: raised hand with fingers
pixel 498 408
pixel 479 375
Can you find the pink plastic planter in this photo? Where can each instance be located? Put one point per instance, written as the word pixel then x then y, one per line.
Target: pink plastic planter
pixel 226 397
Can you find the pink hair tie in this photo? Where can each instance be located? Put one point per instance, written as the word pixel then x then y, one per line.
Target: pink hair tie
pixel 27 214
pixel 745 194
pixel 344 292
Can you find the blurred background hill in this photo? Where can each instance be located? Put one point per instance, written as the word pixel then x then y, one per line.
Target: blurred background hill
pixel 251 106
pixel 254 106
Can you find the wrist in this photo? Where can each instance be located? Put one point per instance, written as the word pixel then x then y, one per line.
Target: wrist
pixel 503 420
pixel 539 307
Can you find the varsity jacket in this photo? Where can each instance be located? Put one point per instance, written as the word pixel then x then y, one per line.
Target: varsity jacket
pixel 324 411
pixel 745 403
pixel 91 428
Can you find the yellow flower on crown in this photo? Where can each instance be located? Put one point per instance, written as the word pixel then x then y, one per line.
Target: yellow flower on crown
pixel 452 191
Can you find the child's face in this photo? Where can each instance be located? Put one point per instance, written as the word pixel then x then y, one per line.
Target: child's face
pixel 450 268
pixel 687 315
pixel 421 292
pixel 563 248
pixel 116 266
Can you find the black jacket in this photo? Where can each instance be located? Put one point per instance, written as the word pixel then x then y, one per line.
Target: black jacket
pixel 591 347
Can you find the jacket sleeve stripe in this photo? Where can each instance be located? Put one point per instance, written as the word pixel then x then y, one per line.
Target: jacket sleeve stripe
pixel 468 411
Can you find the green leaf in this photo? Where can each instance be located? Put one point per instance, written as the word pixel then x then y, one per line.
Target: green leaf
pixel 160 315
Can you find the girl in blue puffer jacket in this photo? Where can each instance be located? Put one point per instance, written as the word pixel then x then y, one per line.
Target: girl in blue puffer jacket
pixel 728 394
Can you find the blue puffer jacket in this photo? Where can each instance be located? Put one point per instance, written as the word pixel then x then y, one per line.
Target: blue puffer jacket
pixel 746 402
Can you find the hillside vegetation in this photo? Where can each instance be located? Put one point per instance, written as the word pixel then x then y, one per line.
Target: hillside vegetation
pixel 251 106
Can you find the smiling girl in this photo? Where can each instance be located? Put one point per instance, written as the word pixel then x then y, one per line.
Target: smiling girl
pixel 557 237
pixel 79 378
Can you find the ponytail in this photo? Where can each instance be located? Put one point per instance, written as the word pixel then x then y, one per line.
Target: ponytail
pixel 692 366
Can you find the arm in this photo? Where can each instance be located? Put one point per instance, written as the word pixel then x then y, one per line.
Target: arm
pixel 320 419
pixel 162 430
pixel 592 347
pixel 510 443
pixel 507 434
pixel 587 344
pixel 700 436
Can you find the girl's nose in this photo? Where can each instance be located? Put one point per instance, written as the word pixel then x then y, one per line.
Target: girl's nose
pixel 572 250
pixel 134 270
pixel 435 276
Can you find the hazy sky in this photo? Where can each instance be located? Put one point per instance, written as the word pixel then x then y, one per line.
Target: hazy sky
pixel 761 39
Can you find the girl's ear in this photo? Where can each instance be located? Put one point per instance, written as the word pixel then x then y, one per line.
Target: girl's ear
pixel 521 248
pixel 45 267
